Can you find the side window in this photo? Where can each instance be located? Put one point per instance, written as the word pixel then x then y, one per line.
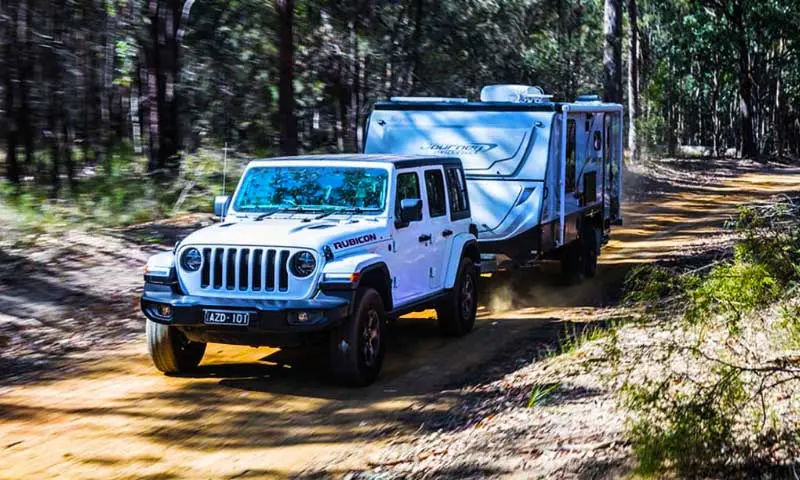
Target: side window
pixel 598 140
pixel 434 184
pixel 457 188
pixel 407 187
pixel 570 173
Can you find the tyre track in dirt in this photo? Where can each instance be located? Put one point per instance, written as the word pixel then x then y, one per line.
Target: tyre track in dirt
pixel 265 413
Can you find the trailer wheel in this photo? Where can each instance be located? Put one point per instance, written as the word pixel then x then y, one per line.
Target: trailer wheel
pixel 456 315
pixel 572 263
pixel 591 250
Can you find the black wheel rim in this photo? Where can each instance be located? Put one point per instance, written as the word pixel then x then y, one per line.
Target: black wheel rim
pixel 371 338
pixel 467 297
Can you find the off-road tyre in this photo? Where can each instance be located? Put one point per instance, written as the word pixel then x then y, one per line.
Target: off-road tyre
pixel 358 345
pixel 170 350
pixel 456 315
pixel 590 243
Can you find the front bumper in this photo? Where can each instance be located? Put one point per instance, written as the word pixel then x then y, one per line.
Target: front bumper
pixel 267 316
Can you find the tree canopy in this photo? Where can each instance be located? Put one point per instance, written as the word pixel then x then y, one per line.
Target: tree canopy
pixel 164 77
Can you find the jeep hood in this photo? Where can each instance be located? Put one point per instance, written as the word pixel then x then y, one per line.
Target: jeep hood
pixel 288 233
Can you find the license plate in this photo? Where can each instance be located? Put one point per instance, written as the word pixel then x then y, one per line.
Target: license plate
pixel 226 317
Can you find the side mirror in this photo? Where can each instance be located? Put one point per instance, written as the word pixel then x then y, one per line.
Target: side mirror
pixel 221 204
pixel 410 211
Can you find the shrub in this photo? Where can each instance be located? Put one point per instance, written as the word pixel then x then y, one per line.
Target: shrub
pixel 705 403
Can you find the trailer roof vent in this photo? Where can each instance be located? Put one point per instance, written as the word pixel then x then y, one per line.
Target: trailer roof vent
pixel 588 99
pixel 428 100
pixel 514 94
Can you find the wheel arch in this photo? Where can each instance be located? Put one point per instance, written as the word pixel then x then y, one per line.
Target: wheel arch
pixel 463 246
pixel 376 276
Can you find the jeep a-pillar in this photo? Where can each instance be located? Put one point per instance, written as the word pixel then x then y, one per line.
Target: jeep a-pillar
pixel 319 249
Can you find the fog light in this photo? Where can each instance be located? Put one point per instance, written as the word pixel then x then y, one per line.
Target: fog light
pixel 165 310
pixel 305 318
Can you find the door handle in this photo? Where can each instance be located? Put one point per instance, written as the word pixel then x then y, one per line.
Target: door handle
pixel 447 233
pixel 425 238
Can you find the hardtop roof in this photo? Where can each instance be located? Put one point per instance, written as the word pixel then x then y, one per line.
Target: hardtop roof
pixel 547 106
pixel 399 161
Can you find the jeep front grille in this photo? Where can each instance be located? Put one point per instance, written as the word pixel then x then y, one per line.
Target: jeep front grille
pixel 245 269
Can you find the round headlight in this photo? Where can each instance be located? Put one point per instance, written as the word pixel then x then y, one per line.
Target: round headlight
pixel 303 264
pixel 191 260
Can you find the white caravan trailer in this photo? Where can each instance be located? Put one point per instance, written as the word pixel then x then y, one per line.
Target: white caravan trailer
pixel 544 178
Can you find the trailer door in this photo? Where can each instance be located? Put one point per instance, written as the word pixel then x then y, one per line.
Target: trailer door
pixel 612 166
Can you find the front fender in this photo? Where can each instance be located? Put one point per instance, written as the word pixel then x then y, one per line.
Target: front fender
pixel 342 268
pixel 460 243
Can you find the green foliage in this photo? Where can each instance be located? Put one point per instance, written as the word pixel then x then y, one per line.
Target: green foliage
pixel 789 325
pixel 650 283
pixel 692 431
pixel 715 368
pixel 125 195
pixel 540 393
pixel 731 290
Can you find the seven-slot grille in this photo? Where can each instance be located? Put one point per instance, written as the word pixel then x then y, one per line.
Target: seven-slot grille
pixel 245 269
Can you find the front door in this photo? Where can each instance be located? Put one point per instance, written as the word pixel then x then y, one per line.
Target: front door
pixel 411 243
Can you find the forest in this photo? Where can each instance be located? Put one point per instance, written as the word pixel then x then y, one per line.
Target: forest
pixel 82 79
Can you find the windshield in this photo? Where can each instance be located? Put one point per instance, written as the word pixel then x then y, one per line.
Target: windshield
pixel 266 189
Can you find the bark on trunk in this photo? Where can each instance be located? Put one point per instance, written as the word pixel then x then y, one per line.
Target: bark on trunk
pixel 745 83
pixel 10 71
pixel 286 101
pixel 416 39
pixel 633 80
pixel 612 52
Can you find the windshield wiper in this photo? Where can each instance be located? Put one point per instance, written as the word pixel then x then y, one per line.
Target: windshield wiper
pixel 353 210
pixel 267 214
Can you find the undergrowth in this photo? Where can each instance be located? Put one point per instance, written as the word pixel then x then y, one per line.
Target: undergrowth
pixel 713 390
pixel 123 195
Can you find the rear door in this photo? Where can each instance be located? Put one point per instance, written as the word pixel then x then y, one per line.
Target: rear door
pixel 439 222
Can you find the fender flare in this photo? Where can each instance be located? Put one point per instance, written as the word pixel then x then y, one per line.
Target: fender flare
pixel 461 243
pixel 350 272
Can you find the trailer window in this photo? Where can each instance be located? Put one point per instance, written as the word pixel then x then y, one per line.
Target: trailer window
pixel 434 184
pixel 407 187
pixel 457 189
pixel 570 173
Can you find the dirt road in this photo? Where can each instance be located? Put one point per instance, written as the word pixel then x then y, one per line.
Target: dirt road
pixel 265 413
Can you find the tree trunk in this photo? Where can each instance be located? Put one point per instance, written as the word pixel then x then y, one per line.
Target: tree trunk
pixel 10 71
pixel 633 80
pixel 355 81
pixel 162 67
pixel 416 39
pixel 56 107
pixel 745 83
pixel 286 101
pixel 25 61
pixel 612 52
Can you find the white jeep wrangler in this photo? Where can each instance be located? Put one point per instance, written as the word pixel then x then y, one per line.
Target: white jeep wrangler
pixel 319 249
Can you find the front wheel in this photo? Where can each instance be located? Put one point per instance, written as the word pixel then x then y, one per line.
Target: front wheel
pixel 357 346
pixel 170 350
pixel 456 315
